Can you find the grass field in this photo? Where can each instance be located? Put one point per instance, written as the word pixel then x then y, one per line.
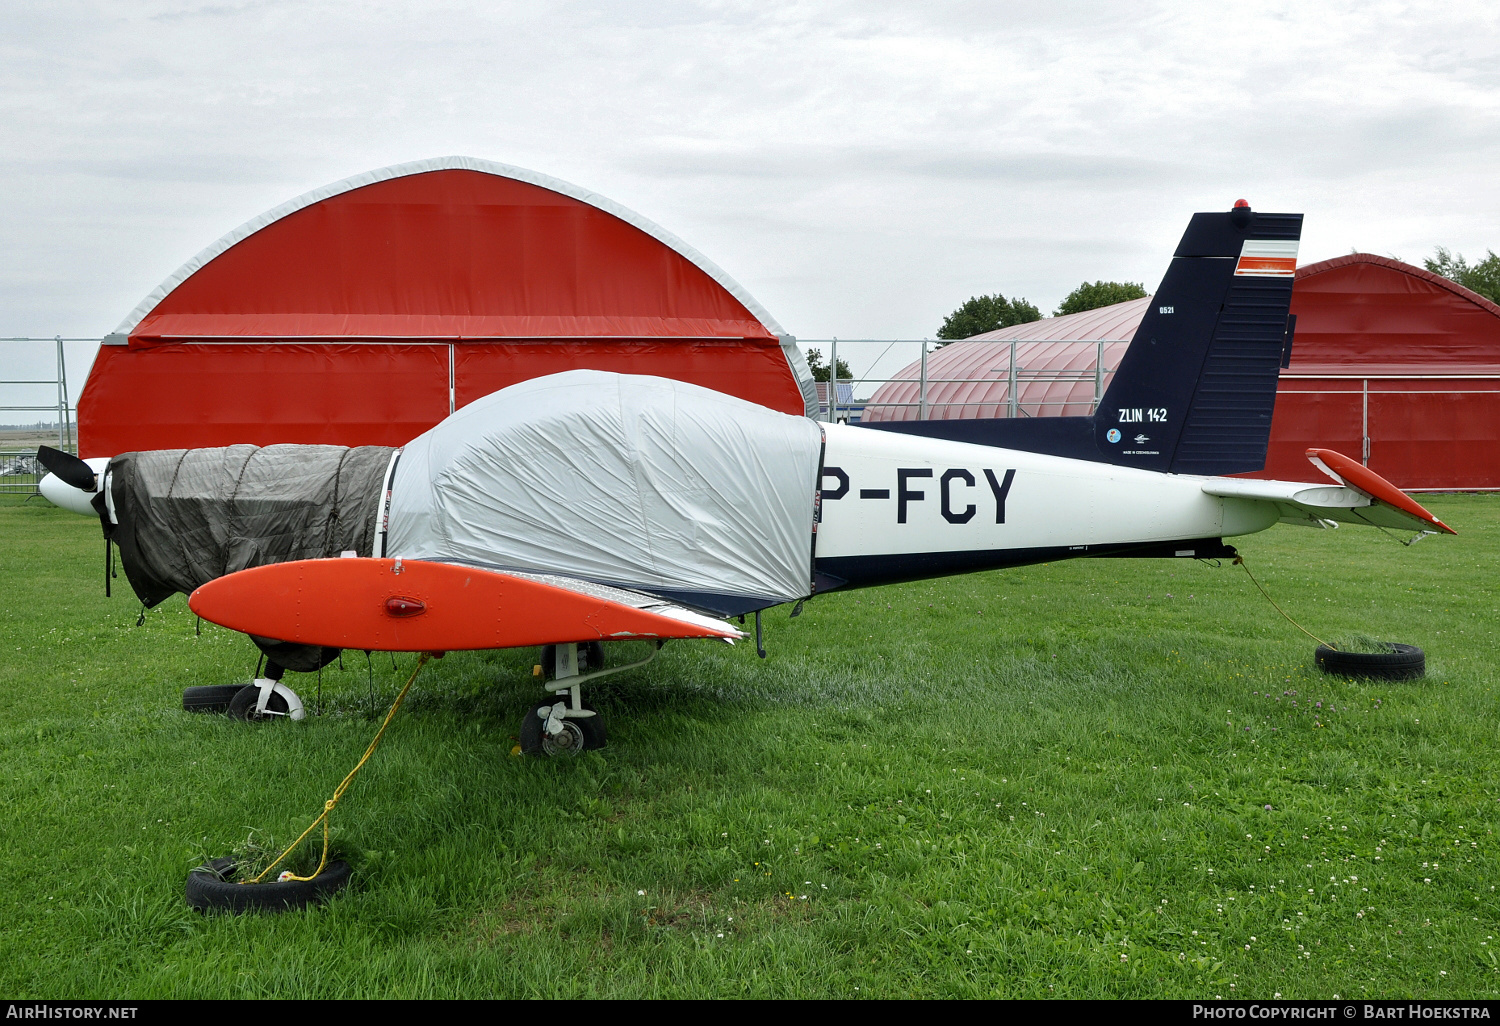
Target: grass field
pixel 1101 778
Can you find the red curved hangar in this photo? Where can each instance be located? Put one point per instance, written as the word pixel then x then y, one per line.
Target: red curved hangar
pixel 364 312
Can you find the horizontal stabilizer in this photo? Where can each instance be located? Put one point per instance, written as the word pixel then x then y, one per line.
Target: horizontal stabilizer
pixel 394 605
pixel 1360 496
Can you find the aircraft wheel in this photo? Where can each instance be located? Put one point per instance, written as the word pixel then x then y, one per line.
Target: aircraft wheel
pixel 578 736
pixel 242 706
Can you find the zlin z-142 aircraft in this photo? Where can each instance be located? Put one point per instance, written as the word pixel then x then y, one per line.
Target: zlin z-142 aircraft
pixel 586 506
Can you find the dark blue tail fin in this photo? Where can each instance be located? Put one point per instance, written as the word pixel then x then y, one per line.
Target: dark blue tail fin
pixel 1196 388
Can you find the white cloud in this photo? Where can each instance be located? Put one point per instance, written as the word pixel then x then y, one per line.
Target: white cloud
pixel 860 167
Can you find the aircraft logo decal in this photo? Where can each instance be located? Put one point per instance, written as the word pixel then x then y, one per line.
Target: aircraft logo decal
pixel 1113 434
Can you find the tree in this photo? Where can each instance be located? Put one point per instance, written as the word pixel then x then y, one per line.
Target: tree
pixel 1100 293
pixel 1483 277
pixel 986 313
pixel 820 369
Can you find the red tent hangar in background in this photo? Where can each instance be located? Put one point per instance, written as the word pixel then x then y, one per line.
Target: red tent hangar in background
pixel 364 312
pixel 1390 364
pixel 1396 366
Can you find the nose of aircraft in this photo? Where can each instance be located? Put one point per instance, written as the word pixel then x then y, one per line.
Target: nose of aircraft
pixel 72 482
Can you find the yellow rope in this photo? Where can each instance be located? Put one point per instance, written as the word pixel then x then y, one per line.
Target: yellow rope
pixel 1240 561
pixel 338 792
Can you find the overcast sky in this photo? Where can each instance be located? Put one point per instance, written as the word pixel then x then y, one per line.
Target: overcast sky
pixel 861 168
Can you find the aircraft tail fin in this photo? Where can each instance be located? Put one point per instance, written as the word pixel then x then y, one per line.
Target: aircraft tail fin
pixel 1195 389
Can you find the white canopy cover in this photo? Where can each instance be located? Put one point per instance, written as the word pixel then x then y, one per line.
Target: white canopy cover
pixel 638 481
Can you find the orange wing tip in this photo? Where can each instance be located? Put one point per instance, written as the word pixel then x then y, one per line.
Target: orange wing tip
pixel 1362 479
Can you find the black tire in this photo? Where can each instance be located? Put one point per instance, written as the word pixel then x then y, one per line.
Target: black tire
pixel 209 697
pixel 1407 662
pixel 587 733
pixel 212 886
pixel 592 658
pixel 242 706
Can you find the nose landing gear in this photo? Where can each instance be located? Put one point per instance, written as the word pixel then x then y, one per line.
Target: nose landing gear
pixel 264 698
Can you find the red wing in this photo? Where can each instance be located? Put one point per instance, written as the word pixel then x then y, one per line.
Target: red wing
pixel 417 606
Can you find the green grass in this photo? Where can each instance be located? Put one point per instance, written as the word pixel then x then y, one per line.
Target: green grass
pixel 1051 781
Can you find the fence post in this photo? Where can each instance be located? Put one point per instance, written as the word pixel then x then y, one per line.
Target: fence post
pixel 922 391
pixel 833 381
pixel 1011 388
pixel 62 402
pixel 1098 377
pixel 452 381
pixel 1365 422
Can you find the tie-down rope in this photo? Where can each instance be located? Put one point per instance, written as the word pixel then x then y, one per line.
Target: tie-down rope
pixel 1240 561
pixel 338 792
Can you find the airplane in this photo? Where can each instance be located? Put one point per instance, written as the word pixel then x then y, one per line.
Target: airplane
pixel 586 506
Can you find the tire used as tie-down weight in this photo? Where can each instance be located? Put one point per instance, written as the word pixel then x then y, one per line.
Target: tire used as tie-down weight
pixel 1404 662
pixel 209 697
pixel 212 886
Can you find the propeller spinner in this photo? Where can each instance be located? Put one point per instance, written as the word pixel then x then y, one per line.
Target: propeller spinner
pixel 72 482
pixel 68 469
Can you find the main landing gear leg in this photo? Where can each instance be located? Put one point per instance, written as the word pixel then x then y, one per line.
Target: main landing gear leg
pixel 568 725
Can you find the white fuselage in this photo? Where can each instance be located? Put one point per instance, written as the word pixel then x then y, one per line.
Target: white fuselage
pixel 910 494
